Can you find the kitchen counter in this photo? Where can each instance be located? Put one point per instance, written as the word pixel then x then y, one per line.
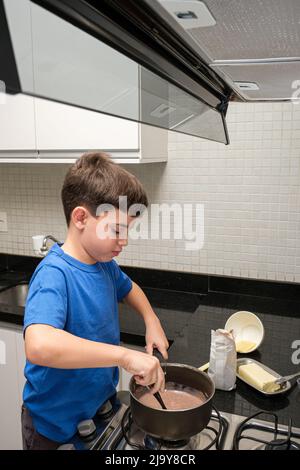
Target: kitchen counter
pixel 188 319
pixel 193 346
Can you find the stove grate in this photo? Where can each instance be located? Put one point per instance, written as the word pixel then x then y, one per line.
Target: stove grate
pixel 276 443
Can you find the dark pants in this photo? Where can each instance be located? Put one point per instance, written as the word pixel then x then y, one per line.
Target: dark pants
pixel 32 440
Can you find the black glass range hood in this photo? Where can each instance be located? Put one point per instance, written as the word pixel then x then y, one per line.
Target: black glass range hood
pixel 114 56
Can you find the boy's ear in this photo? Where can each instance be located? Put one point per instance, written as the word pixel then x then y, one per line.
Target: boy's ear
pixel 79 217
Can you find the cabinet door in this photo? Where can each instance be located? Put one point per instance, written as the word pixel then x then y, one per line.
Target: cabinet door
pixel 64 127
pixel 10 431
pixel 17 124
pixel 21 360
pixel 84 72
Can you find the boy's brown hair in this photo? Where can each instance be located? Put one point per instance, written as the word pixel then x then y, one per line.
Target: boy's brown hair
pixel 95 179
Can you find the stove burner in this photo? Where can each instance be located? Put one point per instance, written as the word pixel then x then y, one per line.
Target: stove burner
pixel 175 444
pixel 282 444
pixel 149 442
pixel 153 443
pixel 242 432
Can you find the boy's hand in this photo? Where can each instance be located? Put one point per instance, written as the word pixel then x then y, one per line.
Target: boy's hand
pixel 145 369
pixel 156 338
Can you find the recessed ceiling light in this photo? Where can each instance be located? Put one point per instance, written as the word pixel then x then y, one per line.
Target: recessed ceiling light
pixel 247 86
pixel 189 14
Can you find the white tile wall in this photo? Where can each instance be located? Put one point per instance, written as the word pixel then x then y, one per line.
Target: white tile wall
pixel 30 194
pixel 250 191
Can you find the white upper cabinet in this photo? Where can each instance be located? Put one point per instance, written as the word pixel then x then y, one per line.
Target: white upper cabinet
pixel 17 125
pixel 64 132
pixel 54 59
pixel 17 121
pixel 74 67
pixel 63 127
pixel 37 130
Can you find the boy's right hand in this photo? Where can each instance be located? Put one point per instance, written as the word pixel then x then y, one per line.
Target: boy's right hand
pixel 145 369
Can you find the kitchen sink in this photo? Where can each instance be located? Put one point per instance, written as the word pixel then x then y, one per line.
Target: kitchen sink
pixel 13 299
pixel 3 286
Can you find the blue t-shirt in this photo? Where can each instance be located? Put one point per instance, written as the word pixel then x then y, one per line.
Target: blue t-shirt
pixel 83 300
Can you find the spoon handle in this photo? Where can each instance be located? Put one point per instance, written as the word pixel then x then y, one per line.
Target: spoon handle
pixel 286 378
pixel 160 400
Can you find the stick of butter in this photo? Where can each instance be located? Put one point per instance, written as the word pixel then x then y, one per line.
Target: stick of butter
pixel 258 377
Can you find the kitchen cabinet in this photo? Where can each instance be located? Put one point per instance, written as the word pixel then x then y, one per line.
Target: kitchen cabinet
pixel 42 131
pixel 57 65
pixel 21 361
pixel 17 114
pixel 64 127
pixel 17 124
pixel 64 132
pixel 10 390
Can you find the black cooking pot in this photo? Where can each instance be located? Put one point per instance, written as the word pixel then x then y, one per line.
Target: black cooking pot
pixel 174 425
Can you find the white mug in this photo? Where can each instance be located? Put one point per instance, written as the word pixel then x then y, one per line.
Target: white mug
pixel 37 242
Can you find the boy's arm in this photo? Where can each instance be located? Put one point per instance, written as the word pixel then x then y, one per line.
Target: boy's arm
pixel 52 347
pixel 155 336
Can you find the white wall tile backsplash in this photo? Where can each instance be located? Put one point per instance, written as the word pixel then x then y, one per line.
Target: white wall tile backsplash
pixel 250 191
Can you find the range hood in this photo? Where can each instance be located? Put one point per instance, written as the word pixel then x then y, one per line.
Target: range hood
pixel 253 46
pixel 174 64
pixel 117 57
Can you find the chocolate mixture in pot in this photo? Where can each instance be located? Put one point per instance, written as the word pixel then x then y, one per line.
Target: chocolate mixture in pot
pixel 175 397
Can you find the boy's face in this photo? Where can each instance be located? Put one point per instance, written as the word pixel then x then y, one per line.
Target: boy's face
pixel 105 236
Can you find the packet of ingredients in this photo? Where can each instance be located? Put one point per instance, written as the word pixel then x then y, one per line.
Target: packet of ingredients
pixel 222 362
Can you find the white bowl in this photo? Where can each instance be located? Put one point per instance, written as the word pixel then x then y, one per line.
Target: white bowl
pixel 246 326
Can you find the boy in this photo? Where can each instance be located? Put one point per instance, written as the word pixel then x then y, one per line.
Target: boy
pixel 71 326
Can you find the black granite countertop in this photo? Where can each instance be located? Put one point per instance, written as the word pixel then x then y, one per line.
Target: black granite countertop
pixel 188 319
pixel 191 345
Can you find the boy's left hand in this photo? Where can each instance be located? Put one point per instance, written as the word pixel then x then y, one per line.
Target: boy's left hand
pixel 156 338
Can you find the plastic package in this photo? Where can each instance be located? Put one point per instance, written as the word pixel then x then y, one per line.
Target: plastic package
pixel 222 362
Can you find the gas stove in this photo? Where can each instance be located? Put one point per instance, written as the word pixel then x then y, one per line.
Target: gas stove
pixel 113 429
